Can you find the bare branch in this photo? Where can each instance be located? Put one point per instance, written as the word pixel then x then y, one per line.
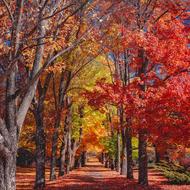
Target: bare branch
pixel 9 10
pixel 64 8
pixel 165 12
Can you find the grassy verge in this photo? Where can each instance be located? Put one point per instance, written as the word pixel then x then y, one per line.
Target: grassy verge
pixel 175 173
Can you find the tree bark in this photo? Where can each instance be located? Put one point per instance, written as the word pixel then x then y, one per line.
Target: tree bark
pixel 62 158
pixel 54 148
pixel 68 153
pixel 118 168
pixel 124 154
pixel 63 86
pixel 129 153
pixel 106 161
pixel 40 149
pixel 157 154
pixel 8 126
pixel 40 133
pixel 143 161
pixel 103 158
pixel 7 172
pixel 83 158
pixel 65 154
pixel 74 147
pixel 143 164
pixel 112 163
pixel 8 140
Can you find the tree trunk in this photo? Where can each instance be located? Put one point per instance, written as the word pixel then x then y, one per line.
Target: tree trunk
pixel 68 153
pixel 118 168
pixel 157 154
pixel 103 158
pixel 106 160
pixel 143 164
pixel 63 86
pixel 79 161
pixel 54 148
pixel 7 172
pixel 124 154
pixel 112 163
pixel 8 137
pixel 83 158
pixel 62 158
pixel 73 153
pixel 65 154
pixel 129 153
pixel 40 149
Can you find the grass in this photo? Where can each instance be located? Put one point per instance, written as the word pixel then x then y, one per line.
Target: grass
pixel 176 174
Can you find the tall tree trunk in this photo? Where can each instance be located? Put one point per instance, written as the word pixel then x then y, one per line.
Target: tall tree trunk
pixel 62 157
pixel 129 153
pixel 8 140
pixel 8 164
pixel 8 126
pixel 65 154
pixel 7 171
pixel 143 164
pixel 118 168
pixel 63 86
pixel 74 147
pixel 124 154
pixel 68 154
pixel 143 161
pixel 54 148
pixel 40 149
pixel 40 133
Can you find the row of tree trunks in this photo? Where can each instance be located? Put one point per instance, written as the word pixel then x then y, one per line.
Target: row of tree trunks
pixel 65 151
pixel 126 164
pixel 63 86
pixel 40 137
pixel 18 100
pixel 70 146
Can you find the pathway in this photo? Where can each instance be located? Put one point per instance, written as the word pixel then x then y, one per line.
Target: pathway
pixel 95 177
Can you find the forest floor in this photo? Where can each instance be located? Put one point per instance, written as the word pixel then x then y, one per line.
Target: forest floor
pixel 95 177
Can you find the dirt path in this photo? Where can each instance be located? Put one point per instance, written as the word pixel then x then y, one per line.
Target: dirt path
pixel 95 177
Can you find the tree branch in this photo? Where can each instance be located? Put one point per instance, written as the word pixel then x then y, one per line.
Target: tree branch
pixel 9 10
pixel 64 8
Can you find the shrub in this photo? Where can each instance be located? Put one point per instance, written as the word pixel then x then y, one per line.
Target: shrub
pixel 175 174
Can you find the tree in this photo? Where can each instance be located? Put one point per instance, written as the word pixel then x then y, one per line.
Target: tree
pixel 22 46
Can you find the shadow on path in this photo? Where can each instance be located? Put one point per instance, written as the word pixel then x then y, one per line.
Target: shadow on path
pixel 94 176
